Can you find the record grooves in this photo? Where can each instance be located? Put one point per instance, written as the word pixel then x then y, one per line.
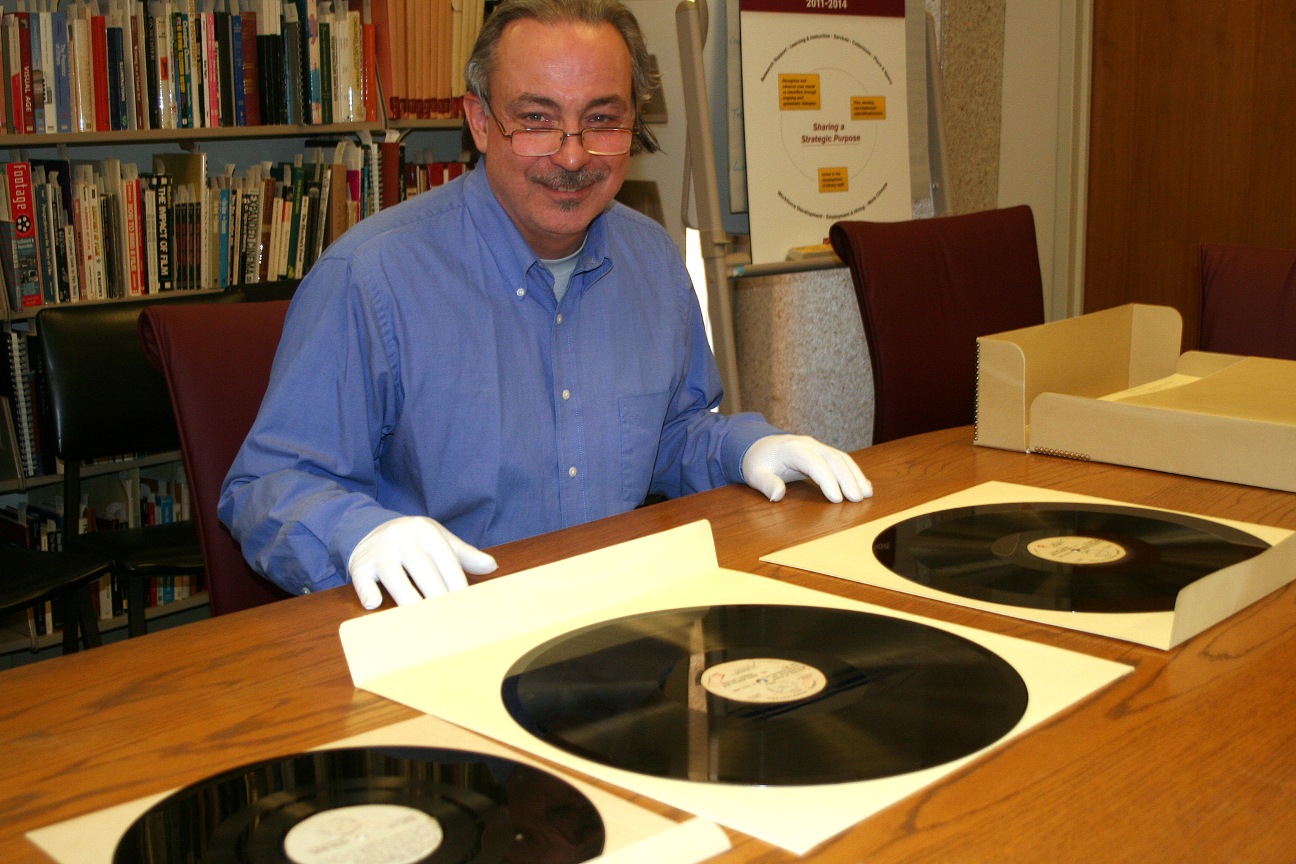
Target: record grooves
pixel 765 694
pixel 395 805
pixel 1071 557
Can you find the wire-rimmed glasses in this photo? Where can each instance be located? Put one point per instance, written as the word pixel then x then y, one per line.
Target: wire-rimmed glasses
pixel 597 140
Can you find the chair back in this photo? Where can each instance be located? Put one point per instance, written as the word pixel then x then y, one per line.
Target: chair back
pixel 216 364
pixel 106 399
pixel 927 288
pixel 1248 301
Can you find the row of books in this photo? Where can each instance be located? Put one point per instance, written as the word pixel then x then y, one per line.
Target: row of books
pixel 137 501
pixel 108 65
pixel 77 231
pixel 418 80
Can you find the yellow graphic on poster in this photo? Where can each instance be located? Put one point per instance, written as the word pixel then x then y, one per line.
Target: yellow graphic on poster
pixel 825 110
pixel 834 180
pixel 799 93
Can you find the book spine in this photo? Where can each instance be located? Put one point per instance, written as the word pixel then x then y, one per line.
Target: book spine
pixel 163 229
pixel 26 272
pixel 237 82
pixel 62 73
pixel 252 69
pixel 116 74
pixel 98 75
pixel 28 87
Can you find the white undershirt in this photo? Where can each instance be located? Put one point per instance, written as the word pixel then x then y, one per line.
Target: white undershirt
pixel 562 270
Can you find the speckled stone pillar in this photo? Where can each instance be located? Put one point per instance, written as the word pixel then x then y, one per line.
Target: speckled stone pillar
pixel 971 54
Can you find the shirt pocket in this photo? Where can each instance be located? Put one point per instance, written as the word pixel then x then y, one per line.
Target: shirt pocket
pixel 641 419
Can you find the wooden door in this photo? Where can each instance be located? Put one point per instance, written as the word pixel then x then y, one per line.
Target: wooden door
pixel 1192 140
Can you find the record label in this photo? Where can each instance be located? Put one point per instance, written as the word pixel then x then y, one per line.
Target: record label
pixel 765 694
pixel 1072 557
pixel 1081 551
pixel 364 834
pixel 763 680
pixel 370 805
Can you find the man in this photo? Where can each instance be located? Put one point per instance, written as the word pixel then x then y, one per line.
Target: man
pixel 508 355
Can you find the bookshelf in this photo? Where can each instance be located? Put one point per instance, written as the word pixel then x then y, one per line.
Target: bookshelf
pixel 315 120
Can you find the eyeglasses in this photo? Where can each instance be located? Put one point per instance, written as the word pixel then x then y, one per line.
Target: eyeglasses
pixel 597 140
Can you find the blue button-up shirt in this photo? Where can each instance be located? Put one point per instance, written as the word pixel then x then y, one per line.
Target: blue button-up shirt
pixel 427 368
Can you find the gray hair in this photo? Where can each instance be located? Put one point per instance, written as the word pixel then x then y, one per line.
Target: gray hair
pixel 643 75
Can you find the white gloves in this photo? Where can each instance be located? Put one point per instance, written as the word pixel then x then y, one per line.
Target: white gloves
pixel 412 549
pixel 775 459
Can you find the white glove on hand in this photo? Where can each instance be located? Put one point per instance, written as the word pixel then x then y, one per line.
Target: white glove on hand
pixel 775 459
pixel 412 548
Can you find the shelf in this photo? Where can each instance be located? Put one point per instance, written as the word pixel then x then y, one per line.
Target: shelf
pixel 14 636
pixel 182 136
pixel 96 470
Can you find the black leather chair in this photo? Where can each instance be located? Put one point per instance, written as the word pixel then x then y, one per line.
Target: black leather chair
pixel 32 577
pixel 108 400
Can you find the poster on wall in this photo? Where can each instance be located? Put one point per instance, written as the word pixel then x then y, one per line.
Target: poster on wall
pixel 826 118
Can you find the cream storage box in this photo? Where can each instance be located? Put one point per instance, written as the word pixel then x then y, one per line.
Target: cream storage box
pixel 1112 386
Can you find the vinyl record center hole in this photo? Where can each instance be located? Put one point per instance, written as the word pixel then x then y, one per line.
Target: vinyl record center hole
pixel 364 834
pixel 1076 549
pixel 763 680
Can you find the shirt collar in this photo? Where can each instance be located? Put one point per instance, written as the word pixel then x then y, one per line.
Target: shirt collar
pixel 511 252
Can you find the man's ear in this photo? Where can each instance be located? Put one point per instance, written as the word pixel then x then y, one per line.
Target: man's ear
pixel 478 121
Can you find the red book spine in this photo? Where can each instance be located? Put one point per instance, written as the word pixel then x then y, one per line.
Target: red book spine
pixel 251 70
pixel 99 53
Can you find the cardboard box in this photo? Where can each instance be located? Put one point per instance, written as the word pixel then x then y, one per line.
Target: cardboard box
pixel 1111 386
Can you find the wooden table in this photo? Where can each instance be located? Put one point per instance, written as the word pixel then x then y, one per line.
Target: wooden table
pixel 1192 757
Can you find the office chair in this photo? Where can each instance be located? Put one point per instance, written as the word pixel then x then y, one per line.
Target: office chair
pixel 106 401
pixel 1248 301
pixel 32 577
pixel 927 288
pixel 217 364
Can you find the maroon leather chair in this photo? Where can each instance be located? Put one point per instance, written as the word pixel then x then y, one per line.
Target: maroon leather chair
pixel 927 288
pixel 216 360
pixel 1248 301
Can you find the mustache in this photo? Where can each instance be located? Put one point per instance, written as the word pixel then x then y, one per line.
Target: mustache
pixel 562 180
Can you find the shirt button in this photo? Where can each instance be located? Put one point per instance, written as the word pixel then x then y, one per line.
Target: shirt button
pixel 559 318
pixel 566 394
pixel 571 472
pixel 521 292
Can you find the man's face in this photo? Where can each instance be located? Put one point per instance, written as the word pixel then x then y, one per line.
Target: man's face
pixel 565 76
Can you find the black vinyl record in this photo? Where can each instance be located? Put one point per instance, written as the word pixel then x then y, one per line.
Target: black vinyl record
pixel 1071 557
pixel 765 694
pixel 395 805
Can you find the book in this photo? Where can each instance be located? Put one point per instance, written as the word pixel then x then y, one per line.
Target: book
pixel 98 76
pixel 327 74
pixel 23 395
pixel 308 16
pixel 161 186
pixel 45 232
pixel 22 267
pixel 181 68
pixel 294 81
pixel 62 72
pixel 238 79
pixel 251 68
pixel 11 466
pixel 225 66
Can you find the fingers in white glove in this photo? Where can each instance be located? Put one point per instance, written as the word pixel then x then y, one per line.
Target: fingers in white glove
pixel 412 557
pixel 775 459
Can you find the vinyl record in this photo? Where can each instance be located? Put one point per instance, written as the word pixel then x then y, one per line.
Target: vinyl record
pixel 1064 556
pixel 765 694
pixel 395 805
